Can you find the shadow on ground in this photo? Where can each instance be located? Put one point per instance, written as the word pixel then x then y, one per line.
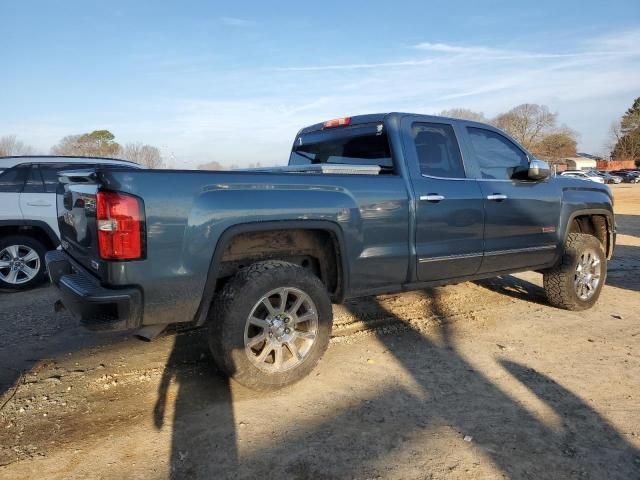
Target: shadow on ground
pixel 456 395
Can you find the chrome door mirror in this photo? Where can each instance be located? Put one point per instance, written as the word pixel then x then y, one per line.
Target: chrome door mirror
pixel 538 169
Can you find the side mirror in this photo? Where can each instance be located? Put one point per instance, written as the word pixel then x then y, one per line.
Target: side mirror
pixel 538 170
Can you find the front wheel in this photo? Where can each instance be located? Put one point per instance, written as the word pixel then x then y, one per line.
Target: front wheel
pixel 576 281
pixel 272 323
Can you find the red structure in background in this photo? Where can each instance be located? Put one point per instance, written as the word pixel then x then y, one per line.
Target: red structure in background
pixel 615 164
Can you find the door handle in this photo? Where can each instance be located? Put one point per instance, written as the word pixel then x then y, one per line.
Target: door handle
pixel 497 197
pixel 432 197
pixel 39 203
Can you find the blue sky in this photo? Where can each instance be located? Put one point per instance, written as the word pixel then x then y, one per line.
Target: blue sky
pixel 234 81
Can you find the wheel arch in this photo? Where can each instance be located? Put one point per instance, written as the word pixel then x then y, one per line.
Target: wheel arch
pixel 597 222
pixel 34 228
pixel 234 232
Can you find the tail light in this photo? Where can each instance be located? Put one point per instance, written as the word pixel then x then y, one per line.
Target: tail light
pixel 120 223
pixel 336 122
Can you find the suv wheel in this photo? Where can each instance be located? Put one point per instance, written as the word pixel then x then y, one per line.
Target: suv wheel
pixel 21 262
pixel 272 325
pixel 576 281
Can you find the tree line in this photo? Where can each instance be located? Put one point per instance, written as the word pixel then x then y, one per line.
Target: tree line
pixel 534 126
pixel 99 143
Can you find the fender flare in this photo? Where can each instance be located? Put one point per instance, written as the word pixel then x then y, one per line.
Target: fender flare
pixel 227 236
pixel 611 225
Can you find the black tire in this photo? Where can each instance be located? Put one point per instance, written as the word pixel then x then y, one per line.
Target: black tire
pixel 21 282
pixel 230 316
pixel 560 281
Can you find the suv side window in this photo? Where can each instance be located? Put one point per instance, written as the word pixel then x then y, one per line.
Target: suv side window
pixel 50 173
pixel 497 156
pixel 34 183
pixel 12 180
pixel 437 150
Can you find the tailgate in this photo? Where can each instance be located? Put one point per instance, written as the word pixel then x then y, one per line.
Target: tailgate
pixel 76 201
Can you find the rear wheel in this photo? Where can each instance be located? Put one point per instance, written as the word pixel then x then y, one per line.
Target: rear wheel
pixel 21 262
pixel 272 325
pixel 576 281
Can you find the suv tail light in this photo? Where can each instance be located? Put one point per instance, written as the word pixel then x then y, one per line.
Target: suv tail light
pixel 120 223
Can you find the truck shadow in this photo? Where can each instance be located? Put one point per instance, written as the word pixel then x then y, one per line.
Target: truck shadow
pixel 516 288
pixel 395 425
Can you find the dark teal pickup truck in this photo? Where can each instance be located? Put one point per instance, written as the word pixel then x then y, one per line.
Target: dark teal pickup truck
pixel 368 205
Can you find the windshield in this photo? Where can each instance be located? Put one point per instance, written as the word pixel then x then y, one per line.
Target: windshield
pixel 365 144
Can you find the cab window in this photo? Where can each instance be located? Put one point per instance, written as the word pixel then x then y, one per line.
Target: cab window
pixel 437 150
pixel 497 156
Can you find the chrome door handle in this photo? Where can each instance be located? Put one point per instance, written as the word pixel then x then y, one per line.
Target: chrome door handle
pixel 497 197
pixel 432 197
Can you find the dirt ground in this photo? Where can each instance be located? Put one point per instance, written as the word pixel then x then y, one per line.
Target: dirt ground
pixel 477 380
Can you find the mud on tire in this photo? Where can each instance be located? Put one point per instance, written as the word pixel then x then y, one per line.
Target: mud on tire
pixel 565 284
pixel 243 325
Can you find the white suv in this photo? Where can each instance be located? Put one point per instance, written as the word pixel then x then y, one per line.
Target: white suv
pixel 28 218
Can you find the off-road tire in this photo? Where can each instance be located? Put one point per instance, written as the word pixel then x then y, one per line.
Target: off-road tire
pixel 235 302
pixel 35 245
pixel 559 280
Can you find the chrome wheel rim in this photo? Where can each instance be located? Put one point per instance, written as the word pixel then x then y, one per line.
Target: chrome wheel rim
pixel 18 264
pixel 587 275
pixel 281 330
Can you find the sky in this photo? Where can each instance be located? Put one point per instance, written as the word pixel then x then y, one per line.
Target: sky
pixel 233 82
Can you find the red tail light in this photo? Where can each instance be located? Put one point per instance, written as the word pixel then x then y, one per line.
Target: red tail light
pixel 337 122
pixel 120 224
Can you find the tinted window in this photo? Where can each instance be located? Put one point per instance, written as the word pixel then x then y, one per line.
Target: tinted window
pixel 497 156
pixel 50 173
pixel 34 183
pixel 12 180
pixel 437 150
pixel 357 145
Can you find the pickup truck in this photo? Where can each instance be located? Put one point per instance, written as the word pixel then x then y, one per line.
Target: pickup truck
pixel 369 204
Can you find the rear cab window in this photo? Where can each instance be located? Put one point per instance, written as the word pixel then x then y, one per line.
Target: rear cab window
pixel 437 150
pixel 362 144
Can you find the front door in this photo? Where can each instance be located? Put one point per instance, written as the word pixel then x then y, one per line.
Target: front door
pixel 521 216
pixel 449 209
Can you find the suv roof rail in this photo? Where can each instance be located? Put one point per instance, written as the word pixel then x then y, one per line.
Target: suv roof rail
pixel 68 156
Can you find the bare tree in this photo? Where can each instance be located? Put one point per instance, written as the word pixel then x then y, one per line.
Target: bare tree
pixel 146 155
pixel 10 145
pixel 556 145
pixel 464 114
pixel 527 123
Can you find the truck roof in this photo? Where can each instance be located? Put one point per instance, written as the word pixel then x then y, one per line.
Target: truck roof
pixel 380 117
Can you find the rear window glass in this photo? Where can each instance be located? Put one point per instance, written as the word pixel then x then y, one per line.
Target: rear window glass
pixel 365 144
pixel 50 173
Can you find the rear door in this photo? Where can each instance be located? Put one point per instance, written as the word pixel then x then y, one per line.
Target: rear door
pixel 35 202
pixel 11 183
pixel 521 216
pixel 38 198
pixel 449 208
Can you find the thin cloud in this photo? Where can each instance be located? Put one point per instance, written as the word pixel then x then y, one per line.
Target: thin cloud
pixel 356 66
pixel 468 50
pixel 237 22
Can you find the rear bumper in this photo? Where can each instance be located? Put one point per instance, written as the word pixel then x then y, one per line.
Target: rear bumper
pixel 97 307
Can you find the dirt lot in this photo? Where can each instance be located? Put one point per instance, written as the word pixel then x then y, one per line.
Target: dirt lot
pixel 477 380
